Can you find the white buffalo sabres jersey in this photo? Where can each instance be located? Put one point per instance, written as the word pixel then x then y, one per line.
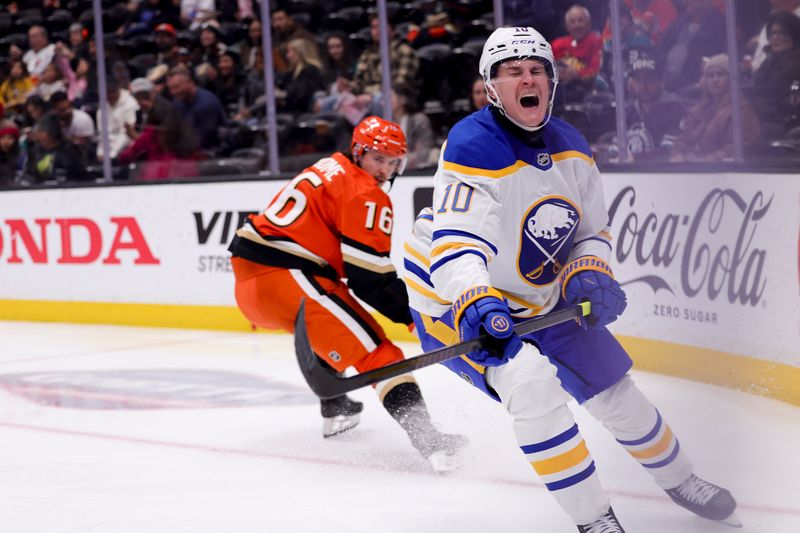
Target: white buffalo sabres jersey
pixel 506 214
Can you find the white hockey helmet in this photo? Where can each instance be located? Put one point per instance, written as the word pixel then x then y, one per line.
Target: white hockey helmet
pixel 517 43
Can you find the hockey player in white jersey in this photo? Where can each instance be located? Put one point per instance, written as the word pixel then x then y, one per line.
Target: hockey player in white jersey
pixel 518 228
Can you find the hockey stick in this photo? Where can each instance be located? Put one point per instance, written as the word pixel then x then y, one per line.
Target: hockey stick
pixel 326 384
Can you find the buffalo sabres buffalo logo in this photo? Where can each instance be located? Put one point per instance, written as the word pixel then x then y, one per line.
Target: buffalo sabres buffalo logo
pixel 548 230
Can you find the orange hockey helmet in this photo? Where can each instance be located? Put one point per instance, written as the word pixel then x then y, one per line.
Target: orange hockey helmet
pixel 375 133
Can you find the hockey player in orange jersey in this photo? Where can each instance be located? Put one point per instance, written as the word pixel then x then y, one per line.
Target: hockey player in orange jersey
pixel 333 222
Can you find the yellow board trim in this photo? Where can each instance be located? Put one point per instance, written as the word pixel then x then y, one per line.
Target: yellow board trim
pixel 563 461
pixel 748 374
pixel 740 372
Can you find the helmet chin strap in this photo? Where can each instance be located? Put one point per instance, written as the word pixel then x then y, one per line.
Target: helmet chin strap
pixel 499 105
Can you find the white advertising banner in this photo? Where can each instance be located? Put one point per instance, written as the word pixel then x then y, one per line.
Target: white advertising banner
pixel 706 260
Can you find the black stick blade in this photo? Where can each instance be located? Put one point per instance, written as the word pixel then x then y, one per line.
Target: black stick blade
pixel 321 380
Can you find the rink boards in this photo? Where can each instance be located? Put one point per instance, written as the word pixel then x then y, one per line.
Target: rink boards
pixel 709 263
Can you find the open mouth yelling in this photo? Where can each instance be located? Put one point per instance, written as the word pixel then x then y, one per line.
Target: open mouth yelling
pixel 530 101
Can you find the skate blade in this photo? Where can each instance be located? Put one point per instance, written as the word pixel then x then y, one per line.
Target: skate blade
pixel 733 521
pixel 442 462
pixel 338 425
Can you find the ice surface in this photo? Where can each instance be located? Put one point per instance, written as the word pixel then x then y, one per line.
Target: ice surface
pixel 112 430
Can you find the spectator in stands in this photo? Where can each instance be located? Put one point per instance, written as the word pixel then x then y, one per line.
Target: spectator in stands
pixel 144 91
pixel 77 125
pixel 50 82
pixel 166 39
pixel 253 90
pixel 296 87
pixel 762 41
pixel 230 83
pixel 478 97
pixel 285 29
pixel 10 154
pixel 777 81
pixel 337 58
pixel 697 33
pixel 198 106
pixel 167 145
pixel 210 47
pixel 51 157
pixel 250 45
pixel 655 118
pixel 579 54
pixel 34 109
pixel 16 88
pixel 707 130
pixel 74 69
pixel 39 55
pixel 403 62
pixel 122 109
pixel 78 39
pixel 416 126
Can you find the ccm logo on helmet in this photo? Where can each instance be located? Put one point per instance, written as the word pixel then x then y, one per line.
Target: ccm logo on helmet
pixel 527 41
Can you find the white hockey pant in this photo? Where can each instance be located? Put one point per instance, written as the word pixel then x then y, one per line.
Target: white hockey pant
pixel 547 433
pixel 639 428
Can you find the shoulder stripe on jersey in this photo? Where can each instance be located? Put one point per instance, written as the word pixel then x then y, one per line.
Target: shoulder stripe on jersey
pixel 482 172
pixel 418 271
pixel 441 262
pixel 416 254
pixel 374 263
pixel 416 287
pixel 442 233
pixel 426 216
pixel 449 246
pixel 363 247
pixel 290 247
pixel 369 338
pixel 572 154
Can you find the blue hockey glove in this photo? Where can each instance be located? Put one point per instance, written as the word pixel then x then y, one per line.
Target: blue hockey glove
pixel 595 284
pixel 481 310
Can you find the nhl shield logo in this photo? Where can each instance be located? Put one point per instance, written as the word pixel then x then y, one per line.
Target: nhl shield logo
pixel 543 159
pixel 547 233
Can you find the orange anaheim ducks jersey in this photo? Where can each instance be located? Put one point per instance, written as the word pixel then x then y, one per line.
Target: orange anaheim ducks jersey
pixel 333 220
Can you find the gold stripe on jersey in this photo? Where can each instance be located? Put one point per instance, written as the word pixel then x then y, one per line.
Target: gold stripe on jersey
pixel 416 287
pixel 572 154
pixel 439 330
pixel 417 255
pixel 482 172
pixel 439 250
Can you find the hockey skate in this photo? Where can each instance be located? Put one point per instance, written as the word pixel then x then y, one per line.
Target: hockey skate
pixel 339 414
pixel 706 500
pixel 444 451
pixel 607 523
